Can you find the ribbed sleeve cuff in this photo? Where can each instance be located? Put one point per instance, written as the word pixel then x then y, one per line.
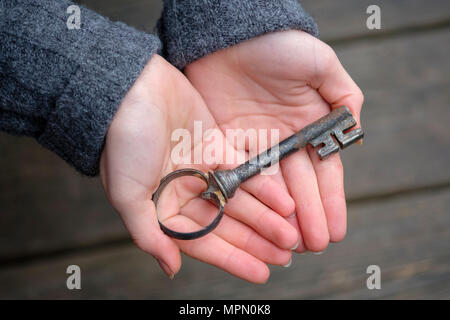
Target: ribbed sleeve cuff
pixel 108 58
pixel 191 29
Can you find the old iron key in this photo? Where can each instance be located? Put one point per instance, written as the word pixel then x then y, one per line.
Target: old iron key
pixel 222 184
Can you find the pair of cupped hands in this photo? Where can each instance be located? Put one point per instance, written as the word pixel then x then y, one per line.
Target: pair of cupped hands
pixel 282 80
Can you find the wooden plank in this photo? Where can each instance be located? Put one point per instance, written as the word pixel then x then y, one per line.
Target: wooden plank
pixel 347 18
pixel 46 206
pixel 336 19
pixel 431 281
pixel 405 81
pixel 406 236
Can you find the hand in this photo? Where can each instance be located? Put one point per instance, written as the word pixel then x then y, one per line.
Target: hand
pixel 137 155
pixel 285 80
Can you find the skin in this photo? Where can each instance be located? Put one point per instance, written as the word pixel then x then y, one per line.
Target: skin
pixel 285 80
pixel 281 80
pixel 137 155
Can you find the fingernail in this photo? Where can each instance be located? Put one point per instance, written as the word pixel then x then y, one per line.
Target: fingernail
pixel 288 264
pixel 166 269
pixel 296 245
pixel 360 142
pixel 318 253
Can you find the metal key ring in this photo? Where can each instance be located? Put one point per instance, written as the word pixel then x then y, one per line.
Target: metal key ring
pixel 216 197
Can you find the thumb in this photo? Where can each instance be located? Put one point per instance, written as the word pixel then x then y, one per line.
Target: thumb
pixel 335 85
pixel 142 223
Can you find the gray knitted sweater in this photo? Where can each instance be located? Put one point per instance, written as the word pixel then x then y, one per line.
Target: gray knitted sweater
pixel 63 86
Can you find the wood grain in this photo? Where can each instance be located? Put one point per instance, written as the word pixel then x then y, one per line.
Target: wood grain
pixel 346 19
pixel 406 236
pixel 405 116
pixel 47 207
pixel 336 19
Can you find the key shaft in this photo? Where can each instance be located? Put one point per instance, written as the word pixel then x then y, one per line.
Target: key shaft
pixel 320 132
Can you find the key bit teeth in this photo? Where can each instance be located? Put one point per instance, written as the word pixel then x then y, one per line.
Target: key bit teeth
pixel 350 137
pixel 329 147
pixel 346 139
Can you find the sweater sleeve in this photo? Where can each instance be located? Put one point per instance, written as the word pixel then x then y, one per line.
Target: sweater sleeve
pixel 61 85
pixel 191 29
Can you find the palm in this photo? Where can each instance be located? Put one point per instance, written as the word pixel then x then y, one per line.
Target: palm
pixel 137 155
pixel 285 80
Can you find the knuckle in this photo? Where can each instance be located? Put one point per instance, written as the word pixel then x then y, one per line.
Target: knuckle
pixel 359 97
pixel 325 60
pixel 329 57
pixel 142 245
pixel 146 245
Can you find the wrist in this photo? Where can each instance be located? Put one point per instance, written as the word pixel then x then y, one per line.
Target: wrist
pixel 222 24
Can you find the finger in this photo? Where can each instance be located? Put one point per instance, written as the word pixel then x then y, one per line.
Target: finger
pixel 140 220
pixel 270 225
pixel 301 180
pixel 335 85
pixel 264 187
pixel 269 191
pixel 215 251
pixel 300 245
pixel 237 233
pixel 330 177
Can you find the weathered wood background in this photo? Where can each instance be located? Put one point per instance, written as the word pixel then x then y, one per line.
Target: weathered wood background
pixel 398 183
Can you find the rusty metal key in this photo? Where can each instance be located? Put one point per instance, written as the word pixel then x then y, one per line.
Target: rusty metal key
pixel 328 132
